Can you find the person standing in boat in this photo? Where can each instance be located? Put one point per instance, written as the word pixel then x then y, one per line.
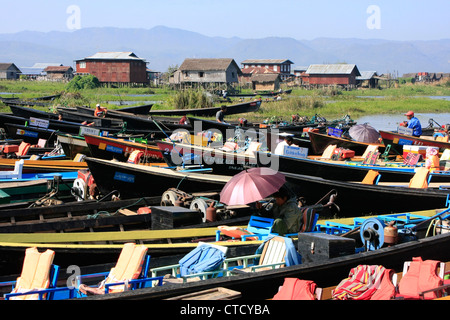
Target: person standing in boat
pixel 100 111
pixel 413 123
pixel 220 115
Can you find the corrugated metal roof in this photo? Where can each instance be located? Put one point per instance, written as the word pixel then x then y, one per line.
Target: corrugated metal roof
pixel 332 69
pixel 115 55
pixel 266 61
pixel 366 75
pixel 43 65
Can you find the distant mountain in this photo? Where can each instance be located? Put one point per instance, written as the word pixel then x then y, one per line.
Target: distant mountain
pixel 163 47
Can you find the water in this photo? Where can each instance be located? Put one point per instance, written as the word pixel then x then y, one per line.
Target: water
pixel 389 122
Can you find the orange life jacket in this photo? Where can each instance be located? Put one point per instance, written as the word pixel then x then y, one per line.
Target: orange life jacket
pixel 421 276
pixel 296 289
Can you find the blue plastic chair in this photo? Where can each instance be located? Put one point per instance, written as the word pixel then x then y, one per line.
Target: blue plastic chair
pixel 259 227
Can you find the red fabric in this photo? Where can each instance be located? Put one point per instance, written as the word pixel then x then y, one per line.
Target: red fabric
pixel 363 283
pixel 296 289
pixel 421 276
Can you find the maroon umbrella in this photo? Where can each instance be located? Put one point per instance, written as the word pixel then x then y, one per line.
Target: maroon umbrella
pixel 251 185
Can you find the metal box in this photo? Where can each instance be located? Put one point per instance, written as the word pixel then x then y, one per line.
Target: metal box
pixel 169 217
pixel 315 247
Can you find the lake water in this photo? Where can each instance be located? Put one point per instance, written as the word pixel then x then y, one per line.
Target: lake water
pixel 388 122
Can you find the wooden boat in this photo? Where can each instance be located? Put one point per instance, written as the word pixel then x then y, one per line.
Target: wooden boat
pixel 28 103
pixel 63 126
pixel 135 122
pixel 79 117
pixel 219 161
pixel 319 142
pixel 120 149
pixel 31 134
pixel 90 248
pixel 133 180
pixel 260 93
pixel 397 141
pixel 34 186
pixel 323 270
pixel 141 110
pixel 40 166
pixel 245 107
pixel 343 170
pixel 73 145
pixel 269 136
pixel 357 198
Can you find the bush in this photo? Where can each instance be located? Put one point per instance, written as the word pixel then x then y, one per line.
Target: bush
pixel 83 82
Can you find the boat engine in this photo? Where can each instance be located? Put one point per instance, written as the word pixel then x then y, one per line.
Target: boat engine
pixel 83 186
pixel 372 234
pixel 209 208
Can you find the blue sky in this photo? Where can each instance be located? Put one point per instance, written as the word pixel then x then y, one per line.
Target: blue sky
pixel 299 19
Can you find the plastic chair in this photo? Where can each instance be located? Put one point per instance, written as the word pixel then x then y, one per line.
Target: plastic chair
pixel 420 179
pixel 371 149
pixel 372 177
pixel 206 260
pixel 23 149
pixel 129 272
pixel 328 152
pixel 273 256
pixel 38 274
pixel 257 229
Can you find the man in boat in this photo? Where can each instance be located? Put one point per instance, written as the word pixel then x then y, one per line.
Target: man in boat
pixel 413 123
pixel 100 111
pixel 286 212
pixel 288 141
pixel 220 115
pixel 183 120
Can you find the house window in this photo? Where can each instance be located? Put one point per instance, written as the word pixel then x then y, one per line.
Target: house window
pixel 232 75
pixel 201 74
pixel 275 67
pixel 82 64
pixel 186 74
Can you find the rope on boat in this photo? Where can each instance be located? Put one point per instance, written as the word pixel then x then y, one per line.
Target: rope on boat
pixel 108 214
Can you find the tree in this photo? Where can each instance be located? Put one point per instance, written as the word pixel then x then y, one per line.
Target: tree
pixel 83 82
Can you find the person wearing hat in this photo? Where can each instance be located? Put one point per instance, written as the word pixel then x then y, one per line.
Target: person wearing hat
pixel 99 111
pixel 413 123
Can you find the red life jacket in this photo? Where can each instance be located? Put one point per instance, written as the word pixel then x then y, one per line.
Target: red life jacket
pixel 421 276
pixel 296 289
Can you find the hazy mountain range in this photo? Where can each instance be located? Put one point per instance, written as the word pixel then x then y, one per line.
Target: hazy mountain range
pixel 163 47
